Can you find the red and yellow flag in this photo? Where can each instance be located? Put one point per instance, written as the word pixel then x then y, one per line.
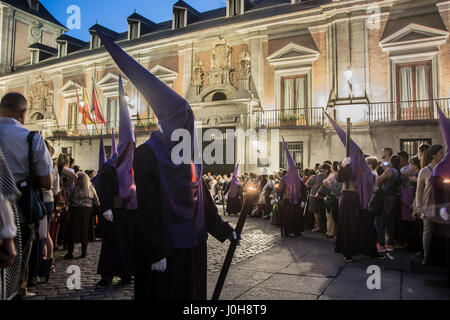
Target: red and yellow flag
pixel 96 108
pixel 86 113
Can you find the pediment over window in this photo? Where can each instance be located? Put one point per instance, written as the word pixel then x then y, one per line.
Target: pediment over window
pixel 293 54
pixel 111 82
pixel 70 88
pixel 414 36
pixel 164 74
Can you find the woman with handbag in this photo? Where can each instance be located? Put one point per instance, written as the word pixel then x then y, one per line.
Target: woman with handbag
pixel 389 182
pixel 82 201
pixel 316 197
pixel 332 201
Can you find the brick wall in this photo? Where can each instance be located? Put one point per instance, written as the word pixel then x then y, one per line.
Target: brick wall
pixel 21 53
pixel 378 66
pixel 319 81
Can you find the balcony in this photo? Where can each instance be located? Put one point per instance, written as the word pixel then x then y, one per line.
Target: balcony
pixel 288 118
pixel 84 131
pixel 382 113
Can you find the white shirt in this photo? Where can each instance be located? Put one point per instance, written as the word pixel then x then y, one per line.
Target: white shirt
pixel 13 141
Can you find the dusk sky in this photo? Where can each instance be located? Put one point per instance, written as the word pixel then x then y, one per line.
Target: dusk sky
pixel 113 13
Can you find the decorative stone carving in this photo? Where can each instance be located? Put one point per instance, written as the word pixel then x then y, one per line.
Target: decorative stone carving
pixel 221 70
pixel 36 32
pixel 41 100
pixel 245 68
pixel 198 76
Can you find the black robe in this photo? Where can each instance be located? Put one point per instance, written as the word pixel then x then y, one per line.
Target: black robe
pixel 117 252
pixel 185 276
pixel 234 204
pixel 356 234
pixel 291 215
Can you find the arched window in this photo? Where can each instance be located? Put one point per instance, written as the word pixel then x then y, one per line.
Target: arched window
pixel 219 96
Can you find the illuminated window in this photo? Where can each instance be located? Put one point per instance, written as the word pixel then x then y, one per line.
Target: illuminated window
pixel 294 94
pixel 296 150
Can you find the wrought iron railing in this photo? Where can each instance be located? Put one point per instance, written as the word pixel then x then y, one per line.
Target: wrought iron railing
pixel 81 130
pixel 288 118
pixel 385 112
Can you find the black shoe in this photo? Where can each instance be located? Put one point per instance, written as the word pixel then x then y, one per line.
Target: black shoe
pixel 104 283
pixel 68 256
pixel 125 280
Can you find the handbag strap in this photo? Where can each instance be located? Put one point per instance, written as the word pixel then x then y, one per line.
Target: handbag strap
pixel 32 174
pixel 33 177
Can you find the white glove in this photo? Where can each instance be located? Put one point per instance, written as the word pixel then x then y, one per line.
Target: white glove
pixel 346 162
pixel 234 235
pixel 108 215
pixel 444 214
pixel 302 204
pixel 160 266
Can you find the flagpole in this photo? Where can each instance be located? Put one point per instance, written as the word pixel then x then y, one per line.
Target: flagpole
pixel 98 101
pixel 89 102
pixel 83 118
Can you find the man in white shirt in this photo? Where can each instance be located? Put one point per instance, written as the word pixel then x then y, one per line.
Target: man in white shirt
pixel 14 143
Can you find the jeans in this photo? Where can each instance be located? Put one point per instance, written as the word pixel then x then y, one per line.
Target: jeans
pixel 382 222
pixel 427 232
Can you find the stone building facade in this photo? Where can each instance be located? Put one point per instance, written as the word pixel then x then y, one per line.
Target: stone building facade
pixel 261 64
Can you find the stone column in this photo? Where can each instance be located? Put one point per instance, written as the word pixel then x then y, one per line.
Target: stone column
pixel 256 50
pixel 188 56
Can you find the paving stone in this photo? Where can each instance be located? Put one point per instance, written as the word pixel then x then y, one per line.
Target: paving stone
pixel 425 287
pixel 351 284
pixel 261 293
pixel 299 284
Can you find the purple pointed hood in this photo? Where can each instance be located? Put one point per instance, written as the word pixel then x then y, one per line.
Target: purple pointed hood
pixel 124 158
pixel 113 144
pixel 292 178
pixel 101 154
pixel 181 184
pixel 234 182
pixel 363 179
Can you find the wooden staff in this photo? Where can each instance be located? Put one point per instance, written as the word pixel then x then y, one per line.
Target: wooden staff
pixel 349 123
pixel 246 208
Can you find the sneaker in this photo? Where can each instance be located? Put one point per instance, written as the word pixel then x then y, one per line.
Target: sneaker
pixel 390 248
pixel 315 230
pixel 380 248
pixel 419 254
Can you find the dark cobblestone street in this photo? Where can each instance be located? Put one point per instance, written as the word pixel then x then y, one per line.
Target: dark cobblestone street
pixel 258 236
